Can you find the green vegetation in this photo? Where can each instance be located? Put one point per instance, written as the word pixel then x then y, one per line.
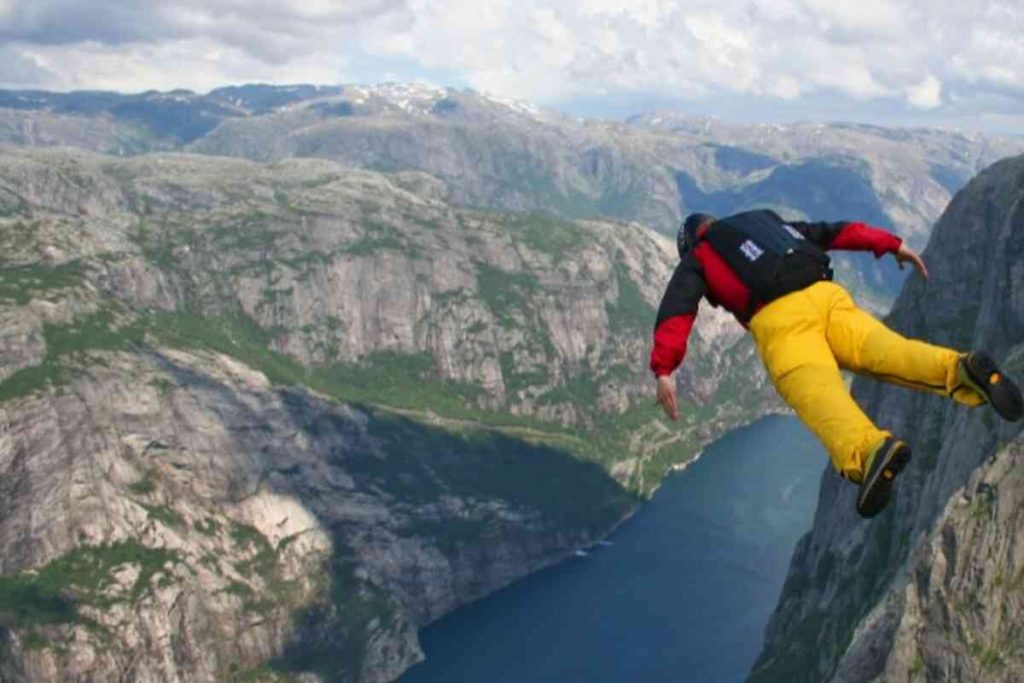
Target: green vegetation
pixel 422 463
pixel 630 311
pixel 379 235
pixel 253 231
pixel 262 674
pixel 398 380
pixel 209 527
pixel 355 610
pixel 547 234
pixel 248 538
pixel 580 389
pixel 526 175
pixel 99 331
pixel 144 486
pixel 84 576
pixel 21 284
pixel 517 380
pixel 164 515
pixel 36 641
pixel 240 590
pixel 12 204
pixel 823 632
pixel 261 563
pixel 981 507
pixel 506 293
pixel 451 534
pixel 988 657
pixel 386 377
pixel 402 380
pixel 385 239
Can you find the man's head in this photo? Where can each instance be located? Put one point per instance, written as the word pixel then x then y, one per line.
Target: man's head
pixel 687 237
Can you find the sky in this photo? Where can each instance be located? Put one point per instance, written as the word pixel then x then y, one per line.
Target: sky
pixel 948 63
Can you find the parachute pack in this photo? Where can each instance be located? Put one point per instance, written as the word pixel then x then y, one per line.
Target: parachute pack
pixel 771 257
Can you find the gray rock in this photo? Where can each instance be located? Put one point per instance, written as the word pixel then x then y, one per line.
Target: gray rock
pixel 903 596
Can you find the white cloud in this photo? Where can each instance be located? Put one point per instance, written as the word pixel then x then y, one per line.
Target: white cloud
pixel 911 53
pixel 18 69
pixel 208 65
pixel 863 21
pixel 927 94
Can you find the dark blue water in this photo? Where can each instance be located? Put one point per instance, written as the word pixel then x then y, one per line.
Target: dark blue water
pixel 683 593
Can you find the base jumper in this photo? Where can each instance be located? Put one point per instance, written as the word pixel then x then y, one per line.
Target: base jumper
pixel 774 276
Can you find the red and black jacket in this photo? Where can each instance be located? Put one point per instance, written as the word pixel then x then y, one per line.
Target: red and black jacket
pixel 704 273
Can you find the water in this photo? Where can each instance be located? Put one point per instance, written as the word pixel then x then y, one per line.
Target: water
pixel 683 592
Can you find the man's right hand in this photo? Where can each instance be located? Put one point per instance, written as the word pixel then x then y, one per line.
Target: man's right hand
pixel 667 396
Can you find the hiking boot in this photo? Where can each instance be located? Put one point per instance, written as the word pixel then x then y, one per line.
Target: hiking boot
pixel 976 370
pixel 883 464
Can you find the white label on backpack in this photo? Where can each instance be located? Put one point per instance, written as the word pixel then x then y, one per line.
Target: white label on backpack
pixel 751 250
pixel 793 231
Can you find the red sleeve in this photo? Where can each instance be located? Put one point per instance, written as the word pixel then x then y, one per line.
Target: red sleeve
pixel 670 339
pixel 863 237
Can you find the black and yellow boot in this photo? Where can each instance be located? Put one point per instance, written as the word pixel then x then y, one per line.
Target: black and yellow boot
pixel 979 372
pixel 880 471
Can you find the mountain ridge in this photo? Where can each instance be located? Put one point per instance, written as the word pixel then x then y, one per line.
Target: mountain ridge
pixel 852 582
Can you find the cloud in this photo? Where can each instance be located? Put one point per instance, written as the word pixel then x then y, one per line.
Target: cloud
pixel 927 94
pixel 20 70
pixel 916 54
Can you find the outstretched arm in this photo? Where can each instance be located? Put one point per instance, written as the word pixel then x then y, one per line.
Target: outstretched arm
pixel 676 315
pixel 859 237
pixel 849 236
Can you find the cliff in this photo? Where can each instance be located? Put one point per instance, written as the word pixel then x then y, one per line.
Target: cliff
pixel 926 590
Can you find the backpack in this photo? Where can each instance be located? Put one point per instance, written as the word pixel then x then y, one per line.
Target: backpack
pixel 769 256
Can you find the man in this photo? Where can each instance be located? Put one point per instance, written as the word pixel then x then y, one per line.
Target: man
pixel 774 276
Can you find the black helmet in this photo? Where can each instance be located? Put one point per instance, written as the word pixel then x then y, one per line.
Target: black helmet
pixel 687 237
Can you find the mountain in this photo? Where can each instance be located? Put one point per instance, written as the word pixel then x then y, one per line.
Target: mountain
pixel 511 155
pixel 501 154
pixel 930 589
pixel 264 418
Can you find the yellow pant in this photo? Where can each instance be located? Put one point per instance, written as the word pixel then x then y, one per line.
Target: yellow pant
pixel 804 338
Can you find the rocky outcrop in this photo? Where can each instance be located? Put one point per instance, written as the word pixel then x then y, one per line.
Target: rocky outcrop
pixel 905 593
pixel 953 614
pixel 171 515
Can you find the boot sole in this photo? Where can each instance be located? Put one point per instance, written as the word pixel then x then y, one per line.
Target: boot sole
pixel 877 488
pixel 1003 395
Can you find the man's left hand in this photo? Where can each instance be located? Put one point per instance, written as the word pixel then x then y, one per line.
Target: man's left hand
pixel 667 396
pixel 907 254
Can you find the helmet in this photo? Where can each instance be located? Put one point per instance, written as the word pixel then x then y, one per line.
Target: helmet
pixel 687 237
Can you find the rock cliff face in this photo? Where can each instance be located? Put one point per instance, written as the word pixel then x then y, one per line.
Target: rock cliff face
pixel 257 420
pixel 929 590
pixel 171 515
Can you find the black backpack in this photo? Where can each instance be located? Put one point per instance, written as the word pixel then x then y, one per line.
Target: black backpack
pixel 771 257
